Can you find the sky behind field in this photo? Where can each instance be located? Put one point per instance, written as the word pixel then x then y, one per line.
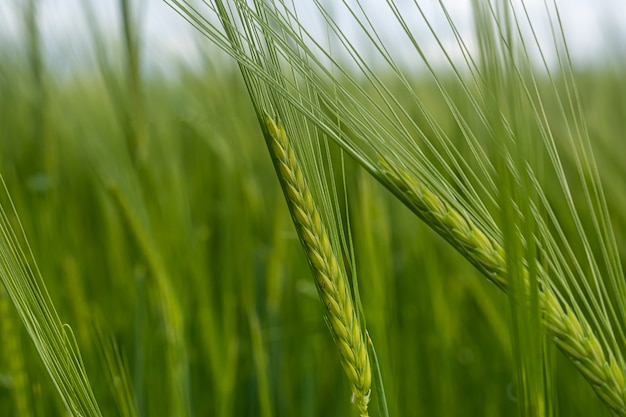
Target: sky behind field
pixel 593 27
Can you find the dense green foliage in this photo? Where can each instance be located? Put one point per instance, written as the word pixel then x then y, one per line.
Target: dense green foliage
pixel 182 252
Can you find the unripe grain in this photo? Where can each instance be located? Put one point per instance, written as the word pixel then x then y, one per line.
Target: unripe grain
pixel 571 333
pixel 330 279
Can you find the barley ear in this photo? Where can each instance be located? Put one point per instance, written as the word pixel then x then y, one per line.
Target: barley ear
pixel 330 278
pixel 570 332
pixel 453 225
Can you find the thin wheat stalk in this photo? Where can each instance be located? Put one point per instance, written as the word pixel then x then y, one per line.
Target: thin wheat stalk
pixel 572 334
pixel 330 279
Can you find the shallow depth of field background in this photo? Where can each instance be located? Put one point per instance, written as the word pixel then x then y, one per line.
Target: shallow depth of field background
pixel 206 199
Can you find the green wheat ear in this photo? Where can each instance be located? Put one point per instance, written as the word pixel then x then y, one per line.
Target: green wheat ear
pixel 330 279
pixel 570 332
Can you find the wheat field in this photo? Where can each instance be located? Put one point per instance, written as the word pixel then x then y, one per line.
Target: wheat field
pixel 299 226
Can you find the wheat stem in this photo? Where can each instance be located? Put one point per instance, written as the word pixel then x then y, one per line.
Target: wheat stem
pixel 330 279
pixel 572 334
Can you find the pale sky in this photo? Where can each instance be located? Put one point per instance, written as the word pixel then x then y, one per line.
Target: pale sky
pixel 592 27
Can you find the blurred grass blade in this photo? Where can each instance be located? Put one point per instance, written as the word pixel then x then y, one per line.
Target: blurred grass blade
pixel 116 370
pixel 12 351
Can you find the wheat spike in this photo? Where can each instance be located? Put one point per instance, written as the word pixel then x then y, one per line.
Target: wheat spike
pixel 330 279
pixel 572 334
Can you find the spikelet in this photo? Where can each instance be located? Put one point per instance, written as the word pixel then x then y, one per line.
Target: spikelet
pixel 330 278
